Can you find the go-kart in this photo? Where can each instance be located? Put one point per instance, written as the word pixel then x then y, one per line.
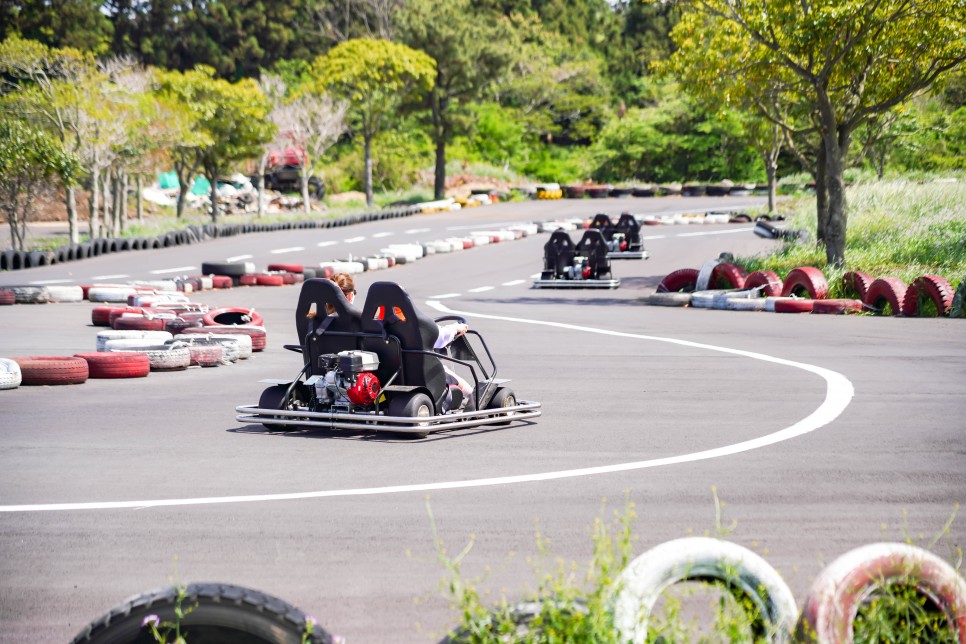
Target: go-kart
pixel 581 265
pixel 376 370
pixel 623 238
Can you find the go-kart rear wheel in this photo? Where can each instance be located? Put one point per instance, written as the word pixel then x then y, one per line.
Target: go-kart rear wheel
pixel 502 397
pixel 274 398
pixel 413 405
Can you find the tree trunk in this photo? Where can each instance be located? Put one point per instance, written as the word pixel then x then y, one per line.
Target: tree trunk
pixel 123 195
pixel 260 185
pixel 94 205
pixel 836 146
pixel 306 204
pixel 107 203
pixel 771 169
pixel 214 198
pixel 72 221
pixel 821 197
pixel 140 198
pixel 367 179
pixel 439 134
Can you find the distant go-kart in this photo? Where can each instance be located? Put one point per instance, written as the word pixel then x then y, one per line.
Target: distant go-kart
pixel 376 370
pixel 623 238
pixel 581 265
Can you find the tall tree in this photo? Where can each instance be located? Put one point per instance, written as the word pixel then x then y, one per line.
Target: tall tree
pixel 79 24
pixel 844 62
pixel 31 160
pixel 49 88
pixel 471 50
pixel 375 77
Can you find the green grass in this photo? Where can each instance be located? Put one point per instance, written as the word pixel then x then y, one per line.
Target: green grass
pixel 895 228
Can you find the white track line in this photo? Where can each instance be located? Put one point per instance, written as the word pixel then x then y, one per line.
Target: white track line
pixel 839 392
pixel 513 283
pixel 353 240
pixel 481 289
pixel 326 243
pixel 445 296
pixel 280 251
pixel 381 235
pixel 238 258
pixel 42 282
pixel 165 271
pixel 415 231
pixel 715 232
pixel 110 277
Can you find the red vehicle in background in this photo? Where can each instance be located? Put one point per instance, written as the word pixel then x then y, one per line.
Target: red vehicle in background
pixel 283 173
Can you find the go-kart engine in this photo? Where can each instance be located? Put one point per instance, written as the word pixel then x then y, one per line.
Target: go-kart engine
pixel 580 269
pixel 618 243
pixel 349 379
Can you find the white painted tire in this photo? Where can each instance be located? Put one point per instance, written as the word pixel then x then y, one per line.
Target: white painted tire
pixel 157 285
pixel 151 299
pixel 109 335
pixel 668 299
pixel 706 299
pixel 720 301
pixel 65 293
pixel 162 357
pixel 10 376
pixel 744 574
pixel 840 589
pixel 704 275
pixel 241 340
pixel 744 304
pixel 230 348
pixel 110 293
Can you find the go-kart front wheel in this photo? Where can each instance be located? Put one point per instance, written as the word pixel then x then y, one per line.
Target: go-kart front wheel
pixel 414 405
pixel 502 397
pixel 274 398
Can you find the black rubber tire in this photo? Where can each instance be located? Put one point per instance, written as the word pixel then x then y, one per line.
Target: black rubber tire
pixel 412 405
pixel 502 397
pixel 272 398
pixel 231 269
pixel 219 613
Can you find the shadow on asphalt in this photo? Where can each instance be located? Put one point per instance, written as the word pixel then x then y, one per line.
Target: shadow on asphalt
pixel 376 437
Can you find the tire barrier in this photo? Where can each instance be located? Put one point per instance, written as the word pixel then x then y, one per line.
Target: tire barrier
pixel 255 333
pixel 234 612
pixel 10 375
pixel 768 281
pixel 11 260
pixel 52 370
pixel 840 589
pixel 856 284
pixel 682 280
pixel 230 348
pixel 837 306
pixel 741 572
pixel 958 308
pixel 793 305
pixel 728 275
pixel 163 357
pixel 230 316
pixel 152 337
pixel 30 294
pixel 928 290
pixel 7 297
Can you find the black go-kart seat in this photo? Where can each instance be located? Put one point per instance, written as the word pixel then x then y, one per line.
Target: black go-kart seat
pixel 321 331
pixel 593 246
pixel 604 224
pixel 558 252
pixel 389 311
pixel 631 228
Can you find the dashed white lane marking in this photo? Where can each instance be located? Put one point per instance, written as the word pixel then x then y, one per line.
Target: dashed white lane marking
pixel 839 392
pixel 353 240
pixel 416 231
pixel 42 282
pixel 238 258
pixel 281 251
pixel 535 276
pixel 481 289
pixel 715 232
pixel 653 237
pixel 110 277
pixel 380 235
pixel 446 296
pixel 165 271
pixel 323 244
pixel 513 283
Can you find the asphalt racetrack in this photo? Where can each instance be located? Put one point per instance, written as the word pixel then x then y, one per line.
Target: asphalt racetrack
pixel 819 433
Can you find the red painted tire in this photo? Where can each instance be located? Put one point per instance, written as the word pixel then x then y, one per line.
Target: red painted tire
pixel 246 280
pixel 52 370
pixel 885 296
pixel 221 281
pixel 140 323
pixel 840 589
pixel 256 333
pixel 805 280
pixel 924 290
pixel 768 281
pixel 231 316
pixel 727 275
pixel 794 306
pixel 287 268
pixel 7 297
pixel 117 312
pixel 856 284
pixel 269 280
pixel 100 315
pixel 682 280
pixel 206 355
pixel 116 365
pixel 838 306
